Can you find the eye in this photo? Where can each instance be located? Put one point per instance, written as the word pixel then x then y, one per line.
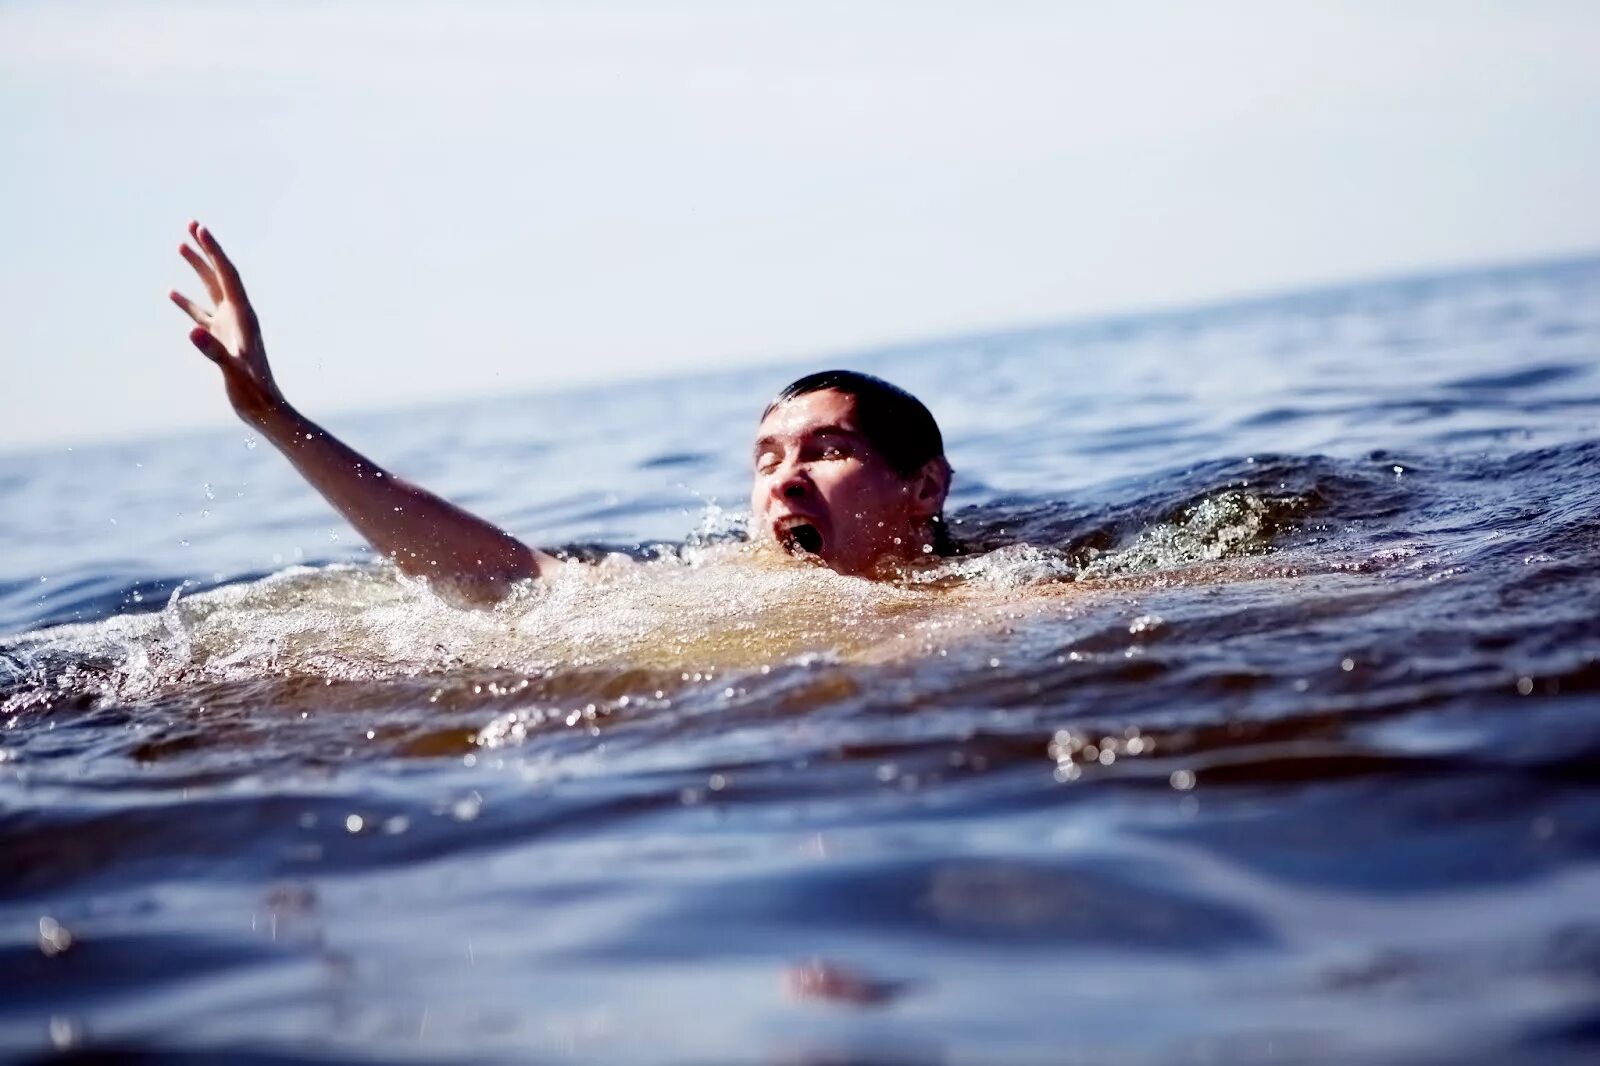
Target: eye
pixel 766 461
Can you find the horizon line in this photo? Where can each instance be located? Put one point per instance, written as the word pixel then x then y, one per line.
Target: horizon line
pixel 1099 320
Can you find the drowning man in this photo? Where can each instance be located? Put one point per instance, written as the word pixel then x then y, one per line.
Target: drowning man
pixel 849 470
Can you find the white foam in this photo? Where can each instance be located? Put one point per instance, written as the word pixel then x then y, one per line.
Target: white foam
pixel 705 607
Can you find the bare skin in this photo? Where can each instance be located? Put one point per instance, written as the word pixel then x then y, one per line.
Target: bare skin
pixel 820 489
pixel 464 557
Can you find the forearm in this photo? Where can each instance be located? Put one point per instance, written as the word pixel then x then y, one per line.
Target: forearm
pixel 464 556
pixel 425 535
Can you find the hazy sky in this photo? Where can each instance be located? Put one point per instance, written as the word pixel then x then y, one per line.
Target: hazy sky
pixel 437 200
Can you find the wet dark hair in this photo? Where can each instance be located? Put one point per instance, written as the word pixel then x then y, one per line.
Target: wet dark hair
pixel 895 423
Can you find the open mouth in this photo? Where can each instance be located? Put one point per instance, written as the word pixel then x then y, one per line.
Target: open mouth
pixel 799 536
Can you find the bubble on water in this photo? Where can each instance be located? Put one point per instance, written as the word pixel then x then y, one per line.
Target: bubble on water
pixel 250 443
pixel 54 938
pixel 209 491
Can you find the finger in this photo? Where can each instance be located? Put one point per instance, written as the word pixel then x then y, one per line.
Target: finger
pixel 201 317
pixel 229 276
pixel 209 346
pixel 203 268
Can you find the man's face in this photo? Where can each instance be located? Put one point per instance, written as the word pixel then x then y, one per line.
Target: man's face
pixel 822 490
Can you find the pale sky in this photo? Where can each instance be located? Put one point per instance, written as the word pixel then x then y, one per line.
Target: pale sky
pixel 444 200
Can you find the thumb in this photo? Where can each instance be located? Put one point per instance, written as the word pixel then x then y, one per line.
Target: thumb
pixel 209 346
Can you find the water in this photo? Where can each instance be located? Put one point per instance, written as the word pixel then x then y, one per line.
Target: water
pixel 1258 723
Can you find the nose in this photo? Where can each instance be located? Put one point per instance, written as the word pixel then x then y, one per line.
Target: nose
pixel 791 482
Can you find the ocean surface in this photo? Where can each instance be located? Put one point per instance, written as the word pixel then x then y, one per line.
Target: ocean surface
pixel 1259 720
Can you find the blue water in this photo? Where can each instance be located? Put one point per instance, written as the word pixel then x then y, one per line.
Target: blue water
pixel 1258 721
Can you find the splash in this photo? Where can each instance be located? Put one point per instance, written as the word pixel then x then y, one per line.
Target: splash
pixel 712 604
pixel 704 608
pixel 1227 525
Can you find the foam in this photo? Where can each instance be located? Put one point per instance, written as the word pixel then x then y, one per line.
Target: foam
pixel 711 605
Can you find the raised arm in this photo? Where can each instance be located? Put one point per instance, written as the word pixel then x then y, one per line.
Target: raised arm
pixel 463 556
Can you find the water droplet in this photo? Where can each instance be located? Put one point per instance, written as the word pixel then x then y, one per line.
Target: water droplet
pixel 250 442
pixel 63 1033
pixel 1182 780
pixel 1145 623
pixel 209 491
pixel 1347 665
pixel 353 823
pixel 1525 686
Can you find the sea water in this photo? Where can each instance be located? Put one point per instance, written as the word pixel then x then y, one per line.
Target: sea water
pixel 1257 720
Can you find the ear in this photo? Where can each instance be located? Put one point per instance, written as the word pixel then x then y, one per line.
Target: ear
pixel 930 486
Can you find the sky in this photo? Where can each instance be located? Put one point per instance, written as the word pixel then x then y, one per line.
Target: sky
pixel 448 200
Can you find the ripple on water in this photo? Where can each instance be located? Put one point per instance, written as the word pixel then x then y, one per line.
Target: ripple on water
pixel 1267 734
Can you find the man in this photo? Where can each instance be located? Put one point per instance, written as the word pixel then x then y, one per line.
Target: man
pixel 849 470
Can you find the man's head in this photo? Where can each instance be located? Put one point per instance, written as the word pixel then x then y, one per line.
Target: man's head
pixel 850 469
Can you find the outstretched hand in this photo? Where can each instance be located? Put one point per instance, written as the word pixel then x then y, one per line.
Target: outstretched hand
pixel 228 334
